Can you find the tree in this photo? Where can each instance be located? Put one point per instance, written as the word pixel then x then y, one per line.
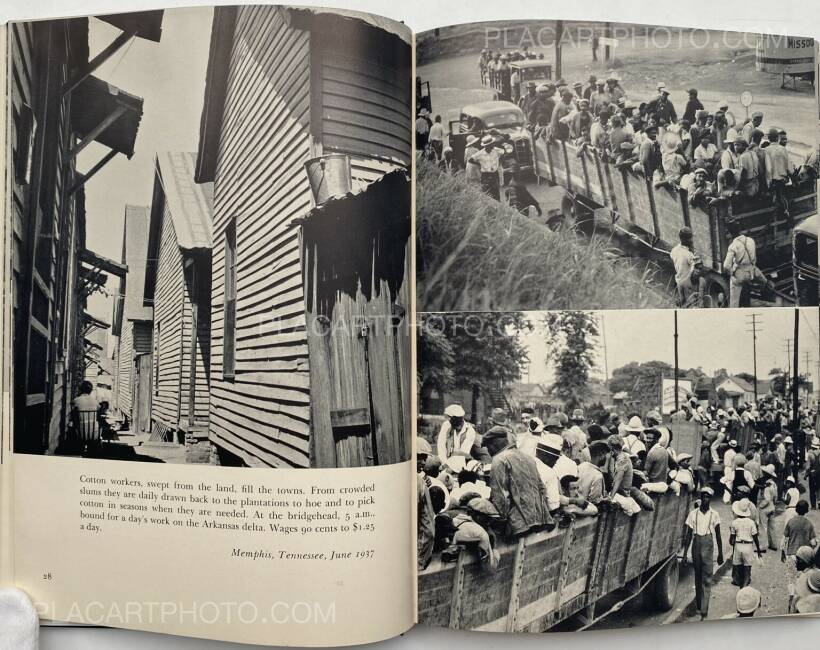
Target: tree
pixel 747 377
pixel 571 338
pixel 473 351
pixel 624 378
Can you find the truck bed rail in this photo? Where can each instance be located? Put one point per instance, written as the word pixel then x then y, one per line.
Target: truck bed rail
pixel 546 577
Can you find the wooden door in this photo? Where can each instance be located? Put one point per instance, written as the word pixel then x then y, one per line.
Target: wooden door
pixel 142 394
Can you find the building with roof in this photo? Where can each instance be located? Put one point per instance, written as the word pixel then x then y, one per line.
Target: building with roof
pixel 736 391
pixel 132 327
pixel 288 390
pixel 178 286
pixel 56 109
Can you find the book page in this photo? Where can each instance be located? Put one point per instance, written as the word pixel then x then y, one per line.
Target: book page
pixel 207 314
pixel 618 325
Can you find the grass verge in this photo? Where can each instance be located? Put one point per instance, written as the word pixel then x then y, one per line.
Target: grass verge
pixel 474 254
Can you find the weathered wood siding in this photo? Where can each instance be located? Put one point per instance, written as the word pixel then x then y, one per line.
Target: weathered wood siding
pixel 262 415
pixel 125 372
pixel 169 304
pixel 362 103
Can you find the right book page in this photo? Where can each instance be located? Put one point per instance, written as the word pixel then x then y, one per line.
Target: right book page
pixel 617 342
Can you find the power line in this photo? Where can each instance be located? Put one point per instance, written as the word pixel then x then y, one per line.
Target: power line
pixel 755 329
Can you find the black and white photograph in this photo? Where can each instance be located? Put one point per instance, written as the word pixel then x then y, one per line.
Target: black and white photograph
pixel 590 470
pixel 584 165
pixel 210 236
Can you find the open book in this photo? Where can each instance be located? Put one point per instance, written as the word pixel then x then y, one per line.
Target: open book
pixel 314 329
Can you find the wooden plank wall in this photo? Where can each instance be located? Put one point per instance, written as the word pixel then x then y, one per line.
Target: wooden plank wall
pixel 125 371
pixel 546 577
pixel 262 416
pixel 20 91
pixel 170 302
pixel 202 352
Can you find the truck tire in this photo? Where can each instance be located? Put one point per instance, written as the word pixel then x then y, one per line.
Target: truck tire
pixel 665 586
pixel 717 292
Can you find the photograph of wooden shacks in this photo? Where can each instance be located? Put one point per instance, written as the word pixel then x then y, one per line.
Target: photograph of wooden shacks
pixel 208 223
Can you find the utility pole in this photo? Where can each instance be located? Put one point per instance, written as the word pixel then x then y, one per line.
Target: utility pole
pixel 603 340
pixel 796 346
pixel 755 329
pixel 559 36
pixel 676 359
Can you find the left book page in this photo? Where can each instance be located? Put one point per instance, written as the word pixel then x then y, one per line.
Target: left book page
pixel 206 308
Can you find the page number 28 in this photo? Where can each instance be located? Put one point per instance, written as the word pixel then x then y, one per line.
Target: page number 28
pixel 47 576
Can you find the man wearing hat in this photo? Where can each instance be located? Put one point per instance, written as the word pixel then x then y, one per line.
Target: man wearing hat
pixel 779 169
pixel 591 86
pixel 526 101
pixel 748 165
pixel 620 468
pixel 693 105
pixel 517 491
pixel 799 531
pixel 808 593
pixel 745 543
pixel 541 108
pixel 547 452
pixel 613 88
pixel 747 602
pixel 664 110
pixel 471 172
pixel 591 484
pixel 702 190
pixel 600 97
pixel 633 432
pixel 423 125
pixel 560 130
pixel 456 435
pixel 751 125
pixel 703 532
pixel 488 160
pixel 813 470
pixel 688 279
pixel 575 437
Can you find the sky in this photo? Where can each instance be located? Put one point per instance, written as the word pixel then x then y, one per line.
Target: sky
pixel 707 338
pixel 170 77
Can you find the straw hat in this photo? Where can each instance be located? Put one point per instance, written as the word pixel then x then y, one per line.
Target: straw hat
pixel 742 508
pixel 747 600
pixel 635 424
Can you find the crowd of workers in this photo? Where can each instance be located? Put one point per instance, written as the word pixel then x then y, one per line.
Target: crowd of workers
pixel 527 475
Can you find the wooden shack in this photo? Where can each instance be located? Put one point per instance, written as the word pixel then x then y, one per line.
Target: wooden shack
pixel 178 286
pixel 55 109
pixel 283 86
pixel 132 327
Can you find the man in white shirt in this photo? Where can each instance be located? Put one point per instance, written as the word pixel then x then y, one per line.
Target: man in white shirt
pixel 436 137
pixel 456 435
pixel 488 160
pixel 703 531
pixel 687 280
pixel 740 262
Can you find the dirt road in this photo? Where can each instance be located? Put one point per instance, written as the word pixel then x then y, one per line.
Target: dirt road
pixel 717 71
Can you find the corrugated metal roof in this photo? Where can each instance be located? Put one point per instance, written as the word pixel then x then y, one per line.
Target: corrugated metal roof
pixel 190 204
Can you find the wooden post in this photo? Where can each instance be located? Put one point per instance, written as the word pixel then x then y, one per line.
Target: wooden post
pixel 559 35
pixel 518 573
pixel 458 587
pixel 569 537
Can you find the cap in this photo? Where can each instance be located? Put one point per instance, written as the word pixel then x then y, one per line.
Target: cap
pixel 788 440
pixel 747 600
pixel 705 489
pixel 700 171
pixel 661 85
pixel 487 139
pixel 682 458
pixel 723 104
pixel 455 410
pixel 757 114
pixel 578 414
pixel 535 425
pixel 423 447
pixel 654 416
pixel 498 415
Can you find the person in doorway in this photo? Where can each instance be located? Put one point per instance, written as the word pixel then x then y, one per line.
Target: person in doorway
pixel 703 532
pixel 745 543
